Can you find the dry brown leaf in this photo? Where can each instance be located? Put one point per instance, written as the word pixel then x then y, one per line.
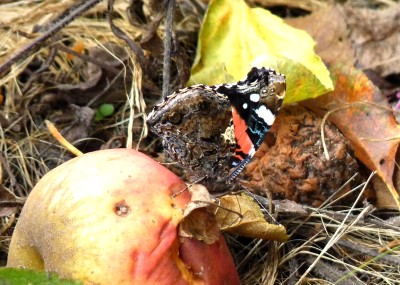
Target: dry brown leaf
pixel 382 193
pixel 328 28
pixel 241 215
pixel 237 214
pixel 201 225
pixel 348 35
pixel 80 121
pixel 306 5
pixel 375 35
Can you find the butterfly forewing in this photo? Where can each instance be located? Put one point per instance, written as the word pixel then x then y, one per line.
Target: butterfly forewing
pixel 255 102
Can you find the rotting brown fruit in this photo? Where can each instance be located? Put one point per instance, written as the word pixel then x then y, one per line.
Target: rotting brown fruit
pixel 109 217
pixel 294 166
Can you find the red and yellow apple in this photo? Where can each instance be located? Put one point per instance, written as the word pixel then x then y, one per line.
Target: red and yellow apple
pixel 110 217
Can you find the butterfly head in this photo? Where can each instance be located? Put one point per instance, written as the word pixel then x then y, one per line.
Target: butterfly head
pixel 267 81
pixel 272 88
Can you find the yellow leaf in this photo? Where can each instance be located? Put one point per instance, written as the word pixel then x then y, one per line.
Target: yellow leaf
pixel 239 37
pixel 241 215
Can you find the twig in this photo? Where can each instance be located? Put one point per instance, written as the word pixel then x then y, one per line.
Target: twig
pixel 4 162
pixel 90 59
pixel 45 65
pixel 167 48
pixel 49 30
pixel 123 36
pixel 384 257
pixel 330 272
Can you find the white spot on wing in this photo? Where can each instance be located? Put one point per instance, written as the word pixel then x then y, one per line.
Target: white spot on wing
pixel 245 106
pixel 255 97
pixel 265 114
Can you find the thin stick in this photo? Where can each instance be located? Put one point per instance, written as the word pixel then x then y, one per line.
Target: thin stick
pixel 167 48
pixel 123 36
pixel 51 28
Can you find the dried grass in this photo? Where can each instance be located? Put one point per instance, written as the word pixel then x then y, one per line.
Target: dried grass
pixel 334 246
pixel 25 143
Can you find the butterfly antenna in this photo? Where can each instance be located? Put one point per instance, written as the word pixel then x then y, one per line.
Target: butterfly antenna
pixel 188 186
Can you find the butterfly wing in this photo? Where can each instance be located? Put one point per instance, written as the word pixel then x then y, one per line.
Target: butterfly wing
pixel 255 102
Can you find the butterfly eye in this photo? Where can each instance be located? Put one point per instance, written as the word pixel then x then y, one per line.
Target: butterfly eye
pixel 273 90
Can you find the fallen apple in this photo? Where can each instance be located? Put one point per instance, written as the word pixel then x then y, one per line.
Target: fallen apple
pixel 110 217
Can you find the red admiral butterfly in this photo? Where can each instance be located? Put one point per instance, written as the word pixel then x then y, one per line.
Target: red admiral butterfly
pixel 214 131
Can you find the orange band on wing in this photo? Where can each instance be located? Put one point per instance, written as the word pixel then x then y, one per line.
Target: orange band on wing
pixel 242 139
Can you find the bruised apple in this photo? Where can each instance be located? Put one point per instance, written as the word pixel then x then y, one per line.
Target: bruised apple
pixel 110 217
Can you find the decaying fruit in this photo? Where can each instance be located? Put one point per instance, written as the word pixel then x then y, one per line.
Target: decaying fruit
pixel 294 166
pixel 109 217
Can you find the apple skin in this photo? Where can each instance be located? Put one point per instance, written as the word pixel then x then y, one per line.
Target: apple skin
pixel 109 217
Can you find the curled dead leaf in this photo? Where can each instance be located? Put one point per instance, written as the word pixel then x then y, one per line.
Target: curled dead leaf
pixel 199 221
pixel 237 214
pixel 201 198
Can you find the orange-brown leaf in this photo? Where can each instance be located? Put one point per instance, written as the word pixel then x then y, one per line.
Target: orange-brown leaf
pixel 360 111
